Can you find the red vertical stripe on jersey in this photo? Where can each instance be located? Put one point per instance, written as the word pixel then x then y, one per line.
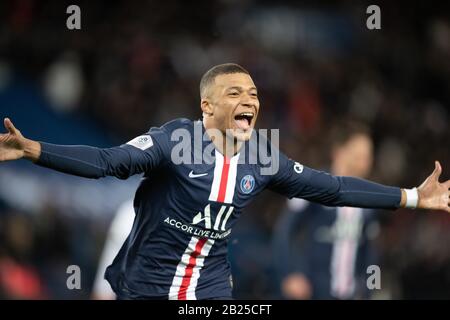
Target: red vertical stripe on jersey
pixel 190 269
pixel 224 180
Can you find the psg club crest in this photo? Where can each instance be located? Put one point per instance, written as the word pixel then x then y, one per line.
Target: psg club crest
pixel 247 184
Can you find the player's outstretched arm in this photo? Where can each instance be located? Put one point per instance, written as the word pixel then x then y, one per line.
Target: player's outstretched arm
pixel 432 194
pixel 295 180
pixel 84 161
pixel 13 145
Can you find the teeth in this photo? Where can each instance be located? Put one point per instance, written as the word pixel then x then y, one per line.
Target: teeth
pixel 249 114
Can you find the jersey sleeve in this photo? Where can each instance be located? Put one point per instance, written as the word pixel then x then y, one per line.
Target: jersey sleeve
pixel 296 180
pixel 139 155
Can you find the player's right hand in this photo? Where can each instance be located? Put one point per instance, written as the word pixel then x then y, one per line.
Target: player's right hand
pixel 12 143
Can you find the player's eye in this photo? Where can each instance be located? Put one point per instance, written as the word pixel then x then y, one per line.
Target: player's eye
pixel 233 94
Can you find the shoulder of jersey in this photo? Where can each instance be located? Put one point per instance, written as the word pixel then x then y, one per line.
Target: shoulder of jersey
pixel 172 125
pixel 177 124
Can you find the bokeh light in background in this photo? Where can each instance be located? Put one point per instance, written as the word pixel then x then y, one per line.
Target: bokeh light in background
pixel 134 65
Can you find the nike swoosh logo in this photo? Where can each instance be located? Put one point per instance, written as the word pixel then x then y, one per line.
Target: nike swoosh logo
pixel 193 175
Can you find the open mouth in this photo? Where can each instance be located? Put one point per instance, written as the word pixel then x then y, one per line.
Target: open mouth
pixel 244 120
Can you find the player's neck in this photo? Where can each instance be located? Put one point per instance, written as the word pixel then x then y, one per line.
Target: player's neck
pixel 227 146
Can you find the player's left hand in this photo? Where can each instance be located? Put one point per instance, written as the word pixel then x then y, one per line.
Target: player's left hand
pixel 432 193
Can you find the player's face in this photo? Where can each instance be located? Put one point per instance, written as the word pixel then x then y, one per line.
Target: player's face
pixel 235 104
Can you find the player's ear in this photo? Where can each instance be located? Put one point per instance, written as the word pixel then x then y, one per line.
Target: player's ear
pixel 206 106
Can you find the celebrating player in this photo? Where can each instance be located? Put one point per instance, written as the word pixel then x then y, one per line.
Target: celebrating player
pixel 186 205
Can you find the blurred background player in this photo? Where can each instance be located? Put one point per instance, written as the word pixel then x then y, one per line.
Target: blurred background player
pixel 117 234
pixel 323 252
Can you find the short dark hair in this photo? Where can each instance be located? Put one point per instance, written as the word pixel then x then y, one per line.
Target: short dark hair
pixel 210 75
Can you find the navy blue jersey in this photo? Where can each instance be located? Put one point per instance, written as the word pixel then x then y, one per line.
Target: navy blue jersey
pixel 185 212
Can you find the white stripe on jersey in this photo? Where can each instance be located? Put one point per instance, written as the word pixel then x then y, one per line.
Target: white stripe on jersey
pixel 180 273
pixel 348 225
pixel 219 175
pixel 196 272
pixel 231 183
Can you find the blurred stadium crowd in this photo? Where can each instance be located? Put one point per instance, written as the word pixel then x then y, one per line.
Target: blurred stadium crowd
pixel 134 65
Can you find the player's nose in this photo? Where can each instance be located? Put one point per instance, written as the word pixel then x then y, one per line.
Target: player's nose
pixel 246 101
